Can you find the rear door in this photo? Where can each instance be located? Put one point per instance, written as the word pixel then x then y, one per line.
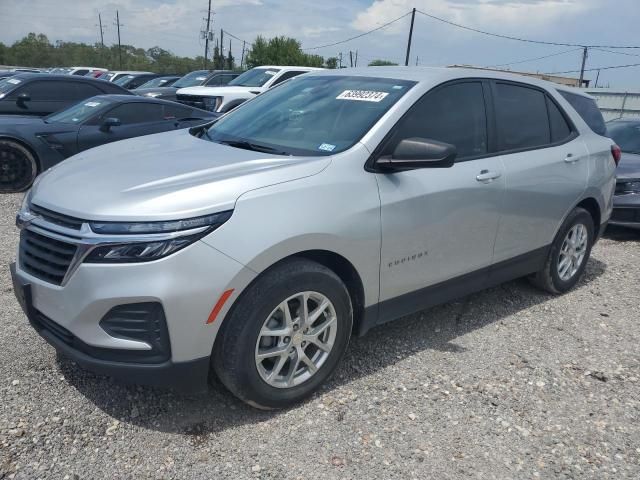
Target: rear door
pixel 440 223
pixel 545 165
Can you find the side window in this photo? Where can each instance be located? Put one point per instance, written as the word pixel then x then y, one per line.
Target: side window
pixel 560 128
pixel 137 113
pixel 81 72
pixel 176 112
pixel 286 76
pixel 453 114
pixel 84 90
pixel 521 117
pixel 588 110
pixel 224 79
pixel 39 91
pixel 214 81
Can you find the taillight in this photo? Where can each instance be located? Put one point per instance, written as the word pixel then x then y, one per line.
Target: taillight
pixel 617 154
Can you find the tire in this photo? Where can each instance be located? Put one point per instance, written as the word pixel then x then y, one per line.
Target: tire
pixel 555 279
pixel 269 383
pixel 18 167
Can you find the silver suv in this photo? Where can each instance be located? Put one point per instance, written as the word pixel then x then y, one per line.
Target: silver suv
pixel 257 245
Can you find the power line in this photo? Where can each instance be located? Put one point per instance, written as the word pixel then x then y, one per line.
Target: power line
pixel 612 67
pixel 237 38
pixel 616 53
pixel 358 36
pixel 525 40
pixel 534 59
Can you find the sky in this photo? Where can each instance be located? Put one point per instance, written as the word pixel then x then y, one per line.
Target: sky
pixel 175 25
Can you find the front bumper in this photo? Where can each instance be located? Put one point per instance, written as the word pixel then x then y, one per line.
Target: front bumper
pixel 186 284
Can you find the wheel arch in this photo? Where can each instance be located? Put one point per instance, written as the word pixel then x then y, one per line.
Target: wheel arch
pixel 335 262
pixel 26 145
pixel 592 206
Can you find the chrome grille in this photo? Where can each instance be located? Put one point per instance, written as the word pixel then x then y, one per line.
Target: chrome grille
pixel 192 101
pixel 44 257
pixel 56 218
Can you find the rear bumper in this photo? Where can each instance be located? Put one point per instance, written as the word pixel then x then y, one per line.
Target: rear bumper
pixel 626 211
pixel 189 376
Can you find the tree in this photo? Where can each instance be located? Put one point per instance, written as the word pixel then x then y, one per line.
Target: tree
pixel 280 51
pixel 231 62
pixel 332 62
pixel 381 63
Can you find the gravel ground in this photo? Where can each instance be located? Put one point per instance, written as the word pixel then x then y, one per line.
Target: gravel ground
pixel 508 383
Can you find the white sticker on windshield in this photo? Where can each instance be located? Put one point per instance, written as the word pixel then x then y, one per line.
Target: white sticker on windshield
pixel 270 72
pixel 14 81
pixel 362 95
pixel 201 78
pixel 327 147
pixel 92 104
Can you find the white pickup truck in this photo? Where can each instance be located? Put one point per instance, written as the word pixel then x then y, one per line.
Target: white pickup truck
pixel 251 83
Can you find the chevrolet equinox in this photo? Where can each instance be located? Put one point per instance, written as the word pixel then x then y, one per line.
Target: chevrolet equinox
pixel 256 245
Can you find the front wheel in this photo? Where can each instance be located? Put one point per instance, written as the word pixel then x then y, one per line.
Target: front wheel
pixel 568 255
pixel 18 167
pixel 285 336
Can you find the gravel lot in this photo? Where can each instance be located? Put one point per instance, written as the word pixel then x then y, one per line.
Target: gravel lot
pixel 509 383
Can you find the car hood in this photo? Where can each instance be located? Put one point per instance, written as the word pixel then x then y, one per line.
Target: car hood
pixel 160 90
pixel 220 91
pixel 629 166
pixel 164 176
pixel 13 120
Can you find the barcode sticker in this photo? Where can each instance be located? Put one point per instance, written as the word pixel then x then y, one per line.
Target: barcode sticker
pixel 362 96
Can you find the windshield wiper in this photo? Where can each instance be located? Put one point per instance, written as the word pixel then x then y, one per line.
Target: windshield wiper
pixel 252 146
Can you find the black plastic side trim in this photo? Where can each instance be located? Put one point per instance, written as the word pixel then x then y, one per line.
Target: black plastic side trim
pixel 448 290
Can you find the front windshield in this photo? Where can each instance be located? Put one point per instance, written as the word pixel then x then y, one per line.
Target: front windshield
pixel 192 79
pixel 255 77
pixel 124 79
pixel 626 135
pixel 318 115
pixel 80 112
pixel 157 82
pixel 8 84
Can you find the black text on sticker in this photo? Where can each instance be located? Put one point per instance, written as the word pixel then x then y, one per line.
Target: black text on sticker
pixel 362 95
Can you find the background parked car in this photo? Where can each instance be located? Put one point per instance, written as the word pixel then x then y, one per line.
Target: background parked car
pixel 42 94
pixel 29 145
pixel 116 74
pixel 165 81
pixel 240 89
pixel 83 71
pixel 199 77
pixel 133 81
pixel 626 202
pixel 6 74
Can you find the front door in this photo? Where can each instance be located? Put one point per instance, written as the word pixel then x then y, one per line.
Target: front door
pixel 440 223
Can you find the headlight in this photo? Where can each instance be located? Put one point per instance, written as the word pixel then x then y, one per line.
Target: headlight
pixel 152 94
pixel 212 103
pixel 156 239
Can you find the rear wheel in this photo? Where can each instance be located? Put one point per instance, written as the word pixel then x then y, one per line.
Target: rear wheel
pixel 18 167
pixel 569 254
pixel 285 336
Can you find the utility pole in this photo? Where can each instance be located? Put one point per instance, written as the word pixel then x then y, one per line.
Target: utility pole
pixel 230 57
pixel 101 30
pixel 242 58
pixel 413 17
pixel 119 44
pixel 597 78
pixel 340 60
pixel 416 60
pixel 222 49
pixel 356 62
pixel 206 36
pixel 585 54
pixel 351 58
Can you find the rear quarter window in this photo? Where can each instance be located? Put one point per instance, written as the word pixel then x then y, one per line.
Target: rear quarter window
pixel 588 110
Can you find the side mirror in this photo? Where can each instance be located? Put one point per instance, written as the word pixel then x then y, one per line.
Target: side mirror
pixel 22 98
pixel 414 153
pixel 107 123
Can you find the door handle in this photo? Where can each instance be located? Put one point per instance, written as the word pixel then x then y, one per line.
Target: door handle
pixel 571 159
pixel 487 177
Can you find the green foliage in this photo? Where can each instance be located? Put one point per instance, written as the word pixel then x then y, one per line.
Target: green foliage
pixel 381 63
pixel 35 50
pixel 280 51
pixel 332 62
